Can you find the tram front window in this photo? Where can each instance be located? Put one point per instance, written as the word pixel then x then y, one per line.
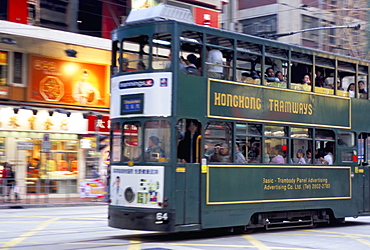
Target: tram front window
pixel 132 142
pixel 157 141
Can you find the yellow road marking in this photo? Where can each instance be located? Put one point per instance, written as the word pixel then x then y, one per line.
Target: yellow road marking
pixel 255 242
pixel 24 236
pixel 356 237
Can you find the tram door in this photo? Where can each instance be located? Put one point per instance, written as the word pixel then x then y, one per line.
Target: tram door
pixel 188 173
pixel 364 168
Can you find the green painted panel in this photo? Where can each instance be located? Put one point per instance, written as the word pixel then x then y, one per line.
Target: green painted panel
pixel 256 184
pixel 259 103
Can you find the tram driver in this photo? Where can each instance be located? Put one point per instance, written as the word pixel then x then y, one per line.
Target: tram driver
pixel 153 152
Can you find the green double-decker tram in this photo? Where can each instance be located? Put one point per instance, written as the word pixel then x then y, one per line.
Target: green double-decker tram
pixel 216 129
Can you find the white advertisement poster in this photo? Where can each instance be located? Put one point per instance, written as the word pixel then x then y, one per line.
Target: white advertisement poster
pixel 137 186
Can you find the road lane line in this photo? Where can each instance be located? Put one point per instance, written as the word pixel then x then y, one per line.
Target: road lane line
pixel 24 236
pixel 255 242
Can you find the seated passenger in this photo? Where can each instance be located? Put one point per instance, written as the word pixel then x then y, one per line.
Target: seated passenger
pixel 255 75
pixel 361 87
pixel 245 77
pixel 278 152
pixel 224 152
pixel 339 85
pixel 140 65
pixel 190 67
pixel 351 90
pixel 319 79
pixel 153 150
pixel 270 75
pixel 300 156
pixel 306 80
pixel 239 157
pixel 216 156
pixel 279 75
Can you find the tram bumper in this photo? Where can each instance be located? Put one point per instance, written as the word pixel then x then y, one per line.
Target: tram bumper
pixel 141 220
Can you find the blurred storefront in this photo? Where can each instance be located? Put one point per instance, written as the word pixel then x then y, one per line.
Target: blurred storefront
pixel 51 83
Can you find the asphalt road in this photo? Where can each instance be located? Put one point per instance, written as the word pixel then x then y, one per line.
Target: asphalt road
pixel 86 227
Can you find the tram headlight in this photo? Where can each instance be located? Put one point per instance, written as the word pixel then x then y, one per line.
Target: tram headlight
pixel 129 195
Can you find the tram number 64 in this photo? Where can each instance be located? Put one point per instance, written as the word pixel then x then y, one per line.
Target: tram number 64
pixel 161 216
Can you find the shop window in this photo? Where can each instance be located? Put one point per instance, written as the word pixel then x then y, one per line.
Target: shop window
pixel 218 137
pixel 132 142
pixel 3 68
pixel 157 141
pixel 54 170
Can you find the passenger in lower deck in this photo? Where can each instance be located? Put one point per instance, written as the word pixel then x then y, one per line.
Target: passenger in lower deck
pixel 186 150
pixel 153 151
pixel 277 152
pixel 239 157
pixel 300 156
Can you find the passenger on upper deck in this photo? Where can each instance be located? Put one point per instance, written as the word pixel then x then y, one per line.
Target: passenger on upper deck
pixel 351 90
pixel 298 70
pixel 215 58
pixel 319 79
pixel 306 80
pixel 280 76
pixel 361 87
pixel 270 75
pixel 309 156
pixel 190 68
pixel 140 65
pixel 328 158
pixel 339 85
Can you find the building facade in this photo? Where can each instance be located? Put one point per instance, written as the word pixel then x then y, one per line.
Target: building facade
pixel 268 17
pixel 55 86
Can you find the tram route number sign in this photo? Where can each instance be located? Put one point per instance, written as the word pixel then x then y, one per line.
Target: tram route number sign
pixel 23 145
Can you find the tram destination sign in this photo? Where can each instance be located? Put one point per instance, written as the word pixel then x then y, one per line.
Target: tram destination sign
pixel 229 100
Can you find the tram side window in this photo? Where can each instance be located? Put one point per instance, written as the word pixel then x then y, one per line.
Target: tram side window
pixel 191 53
pixel 157 141
pixel 132 142
pixel 346 79
pixel 115 57
pixel 276 145
pixel 363 145
pixel 324 147
pixel 249 139
pixel 218 137
pixel 276 63
pixel 346 141
pixel 363 88
pixel 301 71
pixel 301 146
pixel 219 60
pixel 135 54
pixel 115 155
pixel 189 144
pixel 248 62
pixel 161 51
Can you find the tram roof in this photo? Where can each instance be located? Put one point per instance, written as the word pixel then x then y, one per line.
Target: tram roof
pixel 167 14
